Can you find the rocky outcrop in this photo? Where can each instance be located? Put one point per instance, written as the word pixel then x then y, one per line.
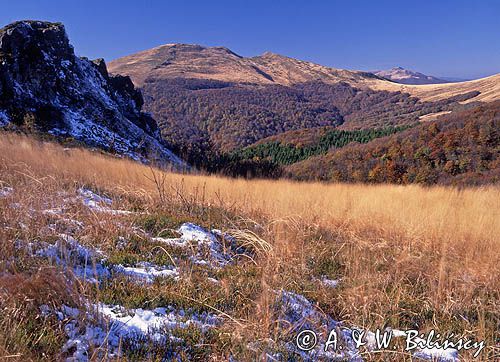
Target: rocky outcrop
pixel 45 87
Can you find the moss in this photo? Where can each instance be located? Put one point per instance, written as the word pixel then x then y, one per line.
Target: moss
pixel 326 265
pixel 129 251
pixel 124 258
pixel 159 224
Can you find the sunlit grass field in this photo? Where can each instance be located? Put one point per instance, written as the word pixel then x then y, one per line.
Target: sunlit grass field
pixel 405 256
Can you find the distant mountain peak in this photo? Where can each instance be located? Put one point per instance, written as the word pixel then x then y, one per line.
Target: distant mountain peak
pixel 269 54
pixel 406 76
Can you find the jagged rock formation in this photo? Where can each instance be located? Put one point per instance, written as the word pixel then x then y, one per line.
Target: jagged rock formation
pixel 45 87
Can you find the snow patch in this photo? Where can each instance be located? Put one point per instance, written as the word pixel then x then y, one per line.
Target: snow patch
pixel 4 118
pixel 145 321
pixel 88 264
pixel 330 283
pixel 208 243
pixel 84 262
pixel 6 191
pixel 438 355
pixel 298 313
pixel 91 199
pixel 116 325
pixel 194 232
pixel 147 272
pixel 99 203
pixel 431 354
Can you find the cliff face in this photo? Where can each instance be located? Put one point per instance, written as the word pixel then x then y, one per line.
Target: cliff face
pixel 45 87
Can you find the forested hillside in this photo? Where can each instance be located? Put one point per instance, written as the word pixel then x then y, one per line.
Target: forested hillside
pixel 267 157
pixel 286 153
pixel 460 148
pixel 202 119
pixel 275 116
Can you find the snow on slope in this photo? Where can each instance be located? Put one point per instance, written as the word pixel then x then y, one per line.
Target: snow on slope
pixel 106 328
pixel 47 88
pixel 405 76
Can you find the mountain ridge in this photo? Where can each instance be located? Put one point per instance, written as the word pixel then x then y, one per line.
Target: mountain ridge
pixel 210 100
pixel 186 60
pixel 200 62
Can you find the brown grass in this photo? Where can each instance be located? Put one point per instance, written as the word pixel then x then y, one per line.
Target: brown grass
pixel 442 214
pixel 407 255
pixel 488 86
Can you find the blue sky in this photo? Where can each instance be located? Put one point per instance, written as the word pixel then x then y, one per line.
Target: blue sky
pixel 443 38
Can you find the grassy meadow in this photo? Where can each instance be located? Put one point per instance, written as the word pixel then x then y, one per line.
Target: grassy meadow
pixel 404 256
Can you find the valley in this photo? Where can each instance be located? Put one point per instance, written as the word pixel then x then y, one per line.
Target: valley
pixel 186 203
pixel 214 107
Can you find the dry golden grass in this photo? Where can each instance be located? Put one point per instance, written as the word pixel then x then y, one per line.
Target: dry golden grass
pixel 406 254
pixel 468 216
pixel 488 86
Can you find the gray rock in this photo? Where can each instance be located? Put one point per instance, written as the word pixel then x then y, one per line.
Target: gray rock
pixel 45 87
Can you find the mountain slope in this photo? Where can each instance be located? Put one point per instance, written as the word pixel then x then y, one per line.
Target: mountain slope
pixel 218 63
pixel 405 76
pixel 209 101
pixel 488 89
pixel 45 88
pixel 212 104
pixel 459 148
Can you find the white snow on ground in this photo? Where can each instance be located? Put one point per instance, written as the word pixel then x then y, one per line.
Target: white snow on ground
pixel 80 342
pixel 147 271
pixel 178 242
pixel 59 213
pixel 55 211
pixel 99 203
pixel 331 283
pixel 219 255
pixel 432 354
pixel 299 314
pixel 91 199
pixel 116 324
pixel 6 191
pixel 87 264
pixel 4 118
pixel 144 321
pixel 438 355
pixel 194 232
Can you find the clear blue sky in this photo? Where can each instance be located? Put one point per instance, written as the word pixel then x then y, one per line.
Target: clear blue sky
pixel 444 38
